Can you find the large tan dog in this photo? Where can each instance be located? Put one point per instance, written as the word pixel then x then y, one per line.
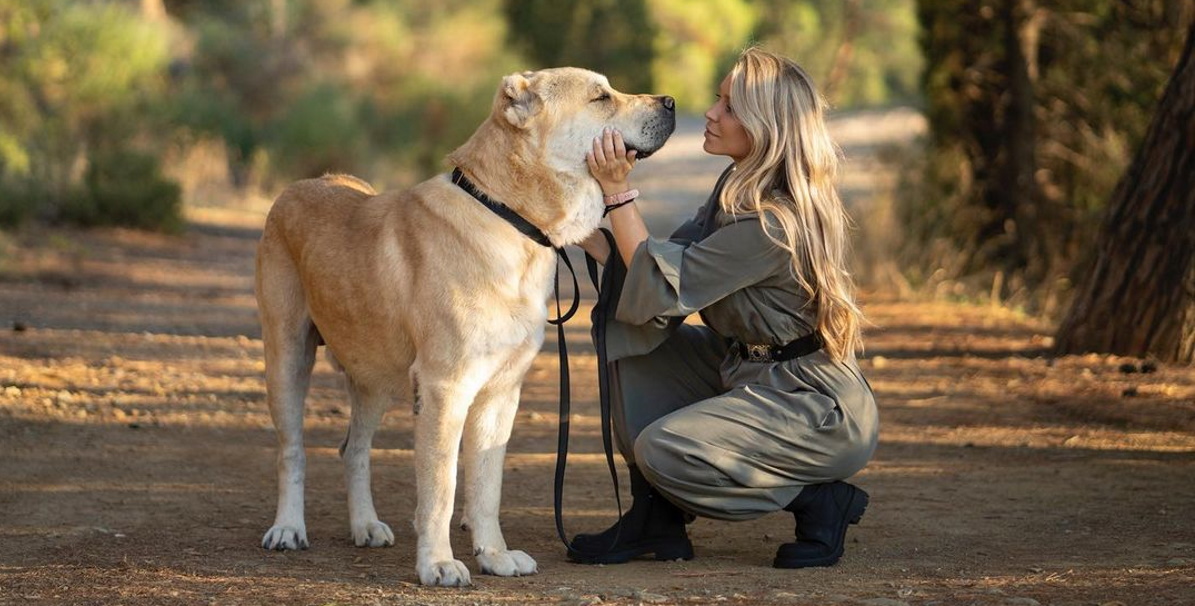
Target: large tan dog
pixel 429 296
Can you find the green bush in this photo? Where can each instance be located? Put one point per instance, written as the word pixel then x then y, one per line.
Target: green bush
pixel 319 132
pixel 125 188
pixel 18 202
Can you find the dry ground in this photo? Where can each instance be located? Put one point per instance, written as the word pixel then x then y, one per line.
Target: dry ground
pixel 136 457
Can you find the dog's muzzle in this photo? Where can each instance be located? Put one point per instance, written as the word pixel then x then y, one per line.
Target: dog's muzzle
pixel 657 130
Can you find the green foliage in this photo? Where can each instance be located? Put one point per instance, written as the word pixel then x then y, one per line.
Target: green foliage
pixel 866 51
pixel 319 132
pixel 421 104
pixel 862 54
pixel 77 81
pixel 126 188
pixel 613 37
pixel 379 89
pixel 698 41
pixel 19 201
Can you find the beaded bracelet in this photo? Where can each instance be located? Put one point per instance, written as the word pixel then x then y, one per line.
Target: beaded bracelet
pixel 625 196
pixel 614 201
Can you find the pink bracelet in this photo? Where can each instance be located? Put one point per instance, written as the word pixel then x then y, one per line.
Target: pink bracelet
pixel 625 196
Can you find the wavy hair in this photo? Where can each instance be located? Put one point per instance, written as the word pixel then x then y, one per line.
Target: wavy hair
pixel 788 179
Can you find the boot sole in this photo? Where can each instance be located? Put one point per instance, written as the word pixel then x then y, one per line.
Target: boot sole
pixel 671 550
pixel 854 514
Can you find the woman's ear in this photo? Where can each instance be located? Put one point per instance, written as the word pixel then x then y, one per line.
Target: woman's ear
pixel 522 102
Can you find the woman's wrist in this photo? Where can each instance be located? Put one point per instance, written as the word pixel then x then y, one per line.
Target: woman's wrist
pixel 610 188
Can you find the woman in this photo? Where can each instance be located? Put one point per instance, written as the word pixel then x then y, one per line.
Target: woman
pixel 764 407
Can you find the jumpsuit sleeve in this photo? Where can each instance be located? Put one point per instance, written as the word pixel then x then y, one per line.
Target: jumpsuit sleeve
pixel 674 279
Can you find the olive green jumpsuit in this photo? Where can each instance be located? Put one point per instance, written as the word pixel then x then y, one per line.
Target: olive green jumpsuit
pixel 720 436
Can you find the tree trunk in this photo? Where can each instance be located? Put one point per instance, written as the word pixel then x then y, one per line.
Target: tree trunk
pixel 1014 195
pixel 1139 299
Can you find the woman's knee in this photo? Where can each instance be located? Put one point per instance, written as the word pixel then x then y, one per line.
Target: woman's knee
pixel 659 460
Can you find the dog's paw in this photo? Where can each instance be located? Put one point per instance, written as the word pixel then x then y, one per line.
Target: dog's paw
pixel 285 537
pixel 449 573
pixel 373 534
pixel 511 563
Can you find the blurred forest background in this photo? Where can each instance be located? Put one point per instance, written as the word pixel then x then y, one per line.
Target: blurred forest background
pixel 121 112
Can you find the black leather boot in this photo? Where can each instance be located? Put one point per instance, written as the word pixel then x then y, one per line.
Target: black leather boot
pixel 652 525
pixel 823 512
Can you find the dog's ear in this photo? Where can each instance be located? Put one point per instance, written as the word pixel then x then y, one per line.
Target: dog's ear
pixel 520 99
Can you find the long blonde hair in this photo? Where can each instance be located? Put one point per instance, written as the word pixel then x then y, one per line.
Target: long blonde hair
pixel 788 179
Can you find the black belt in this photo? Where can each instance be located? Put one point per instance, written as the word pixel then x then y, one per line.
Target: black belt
pixel 778 353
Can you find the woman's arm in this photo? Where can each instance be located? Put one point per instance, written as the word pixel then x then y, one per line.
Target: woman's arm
pixel 610 163
pixel 629 230
pixel 671 279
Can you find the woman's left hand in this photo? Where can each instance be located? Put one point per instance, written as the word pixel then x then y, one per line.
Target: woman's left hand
pixel 610 162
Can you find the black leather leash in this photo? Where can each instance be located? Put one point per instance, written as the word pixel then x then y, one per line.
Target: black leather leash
pixel 607 297
pixel 615 268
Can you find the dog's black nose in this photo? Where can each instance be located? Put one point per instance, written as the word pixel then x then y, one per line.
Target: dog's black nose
pixel 668 102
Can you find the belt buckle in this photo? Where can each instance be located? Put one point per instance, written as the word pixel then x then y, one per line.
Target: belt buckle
pixel 759 353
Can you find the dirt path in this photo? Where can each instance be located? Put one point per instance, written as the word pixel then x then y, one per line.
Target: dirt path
pixel 136 453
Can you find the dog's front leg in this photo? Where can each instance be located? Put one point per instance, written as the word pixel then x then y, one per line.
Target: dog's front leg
pixel 487 432
pixel 438 429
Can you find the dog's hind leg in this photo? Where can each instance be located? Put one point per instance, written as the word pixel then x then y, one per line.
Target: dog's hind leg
pixel 487 431
pixel 367 411
pixel 290 340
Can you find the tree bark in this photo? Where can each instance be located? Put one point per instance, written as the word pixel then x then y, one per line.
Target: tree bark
pixel 1139 298
pixel 1015 194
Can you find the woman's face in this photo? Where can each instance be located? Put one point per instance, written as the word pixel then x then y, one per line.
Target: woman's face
pixel 724 134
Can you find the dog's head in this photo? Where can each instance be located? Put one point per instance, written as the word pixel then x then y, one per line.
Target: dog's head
pixel 563 109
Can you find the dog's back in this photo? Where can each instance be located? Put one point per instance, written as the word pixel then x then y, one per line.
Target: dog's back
pixel 349 181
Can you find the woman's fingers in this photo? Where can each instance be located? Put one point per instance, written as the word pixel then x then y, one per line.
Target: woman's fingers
pixel 614 145
pixel 610 156
pixel 620 150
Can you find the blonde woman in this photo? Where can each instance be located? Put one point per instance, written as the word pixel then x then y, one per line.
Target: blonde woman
pixel 763 407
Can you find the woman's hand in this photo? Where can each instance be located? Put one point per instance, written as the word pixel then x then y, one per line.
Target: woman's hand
pixel 610 162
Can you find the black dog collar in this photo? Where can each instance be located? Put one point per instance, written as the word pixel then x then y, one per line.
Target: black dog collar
pixel 501 210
